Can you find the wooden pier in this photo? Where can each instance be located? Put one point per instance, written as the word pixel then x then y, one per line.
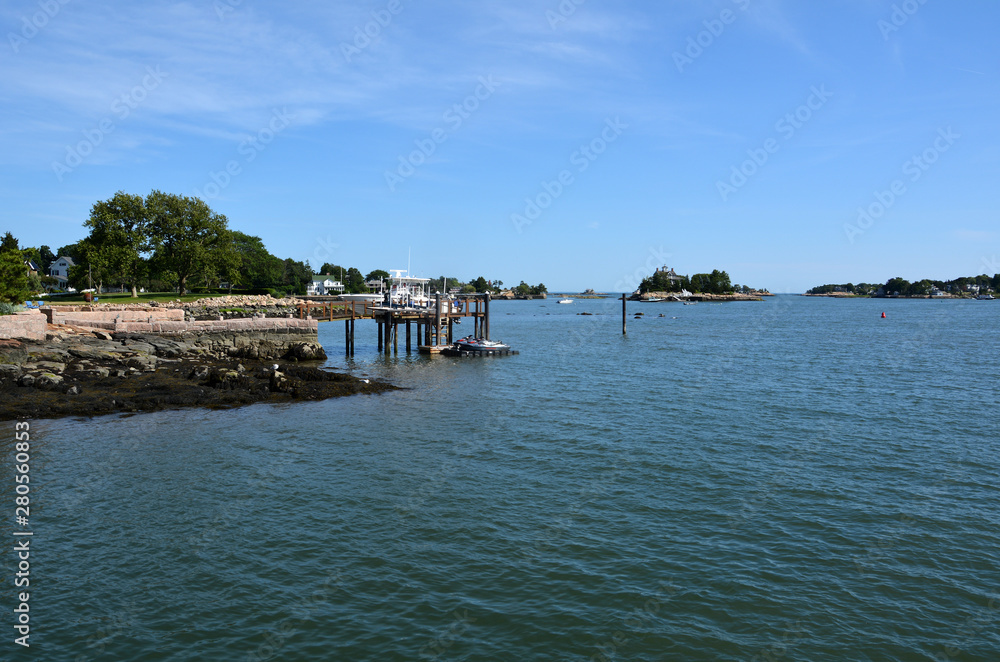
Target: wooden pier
pixel 434 328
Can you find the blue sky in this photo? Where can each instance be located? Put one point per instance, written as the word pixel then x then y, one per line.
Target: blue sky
pixel 576 143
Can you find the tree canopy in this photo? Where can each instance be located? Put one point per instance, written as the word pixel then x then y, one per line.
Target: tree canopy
pixel 716 282
pixel 185 233
pixel 13 272
pixel 899 286
pixel 120 237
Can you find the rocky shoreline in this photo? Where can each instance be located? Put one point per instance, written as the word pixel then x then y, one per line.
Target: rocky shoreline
pixel 846 295
pixel 674 296
pixel 83 372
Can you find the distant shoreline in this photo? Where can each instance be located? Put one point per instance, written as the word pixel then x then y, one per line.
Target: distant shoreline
pixel 845 295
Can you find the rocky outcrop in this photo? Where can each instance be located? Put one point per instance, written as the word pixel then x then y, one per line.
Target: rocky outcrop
pixel 675 296
pixel 100 373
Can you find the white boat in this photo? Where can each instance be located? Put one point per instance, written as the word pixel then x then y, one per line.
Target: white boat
pixel 653 300
pixel 985 297
pixel 565 301
pixel 361 297
pixel 410 292
pixel 471 344
pixel 690 303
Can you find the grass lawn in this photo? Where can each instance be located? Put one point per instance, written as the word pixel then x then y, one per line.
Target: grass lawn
pixel 126 298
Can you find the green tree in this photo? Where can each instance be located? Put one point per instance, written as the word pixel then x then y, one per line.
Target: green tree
pixel 720 282
pixel 716 282
pixel 119 230
pixel 94 266
pixel 228 260
pixel 378 273
pixel 73 251
pixel 297 276
pixel 35 283
pixel 258 268
pixel 332 269
pixel 34 255
pixel 47 258
pixel 897 286
pixel 13 273
pixel 354 282
pixel 185 234
pixel 9 244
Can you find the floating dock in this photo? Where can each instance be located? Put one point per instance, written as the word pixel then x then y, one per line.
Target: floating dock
pixel 455 351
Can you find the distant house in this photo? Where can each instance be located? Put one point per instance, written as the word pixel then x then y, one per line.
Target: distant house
pixel 670 274
pixel 31 266
pixel 324 286
pixel 60 270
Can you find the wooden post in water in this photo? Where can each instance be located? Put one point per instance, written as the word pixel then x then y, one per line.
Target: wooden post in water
pixel 451 329
pixel 395 337
pixel 347 336
pixel 408 334
pixel 351 341
pixel 388 330
pixel 378 323
pixel 486 309
pixel 437 319
pixel 624 331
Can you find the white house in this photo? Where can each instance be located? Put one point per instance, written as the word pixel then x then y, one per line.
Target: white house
pixel 325 286
pixel 60 270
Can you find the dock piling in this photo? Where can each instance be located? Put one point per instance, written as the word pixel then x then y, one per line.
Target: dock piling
pixel 486 313
pixel 624 331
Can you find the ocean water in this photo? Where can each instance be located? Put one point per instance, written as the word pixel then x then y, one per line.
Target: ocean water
pixel 796 479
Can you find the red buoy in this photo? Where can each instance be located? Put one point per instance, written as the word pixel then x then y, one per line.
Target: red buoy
pixel 883 315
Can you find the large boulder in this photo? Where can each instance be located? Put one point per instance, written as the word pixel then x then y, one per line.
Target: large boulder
pixel 12 351
pixel 307 351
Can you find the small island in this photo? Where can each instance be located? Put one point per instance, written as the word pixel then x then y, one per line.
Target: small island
pixel 966 287
pixel 667 285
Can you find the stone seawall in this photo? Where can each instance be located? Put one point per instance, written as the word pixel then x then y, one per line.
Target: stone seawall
pixel 81 314
pixel 168 321
pixel 28 324
pixel 176 328
pixel 248 337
